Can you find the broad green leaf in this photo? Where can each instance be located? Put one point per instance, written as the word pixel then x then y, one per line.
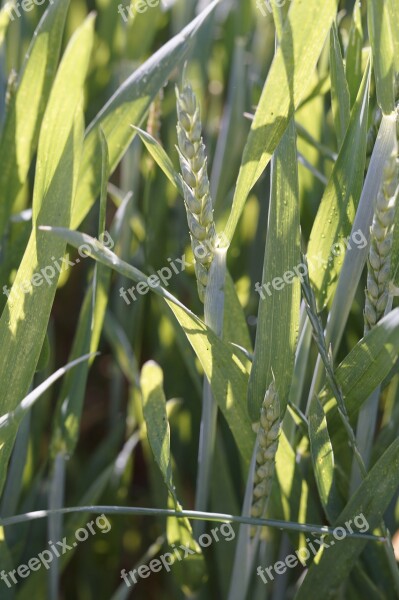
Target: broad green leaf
pixel 25 318
pixel 276 336
pixel 224 365
pixel 235 328
pixel 353 66
pixel 291 499
pixel 323 461
pixel 128 106
pixel 364 369
pixel 192 572
pixel 393 11
pixel 279 14
pixel 289 77
pixel 333 564
pixel 141 30
pixel 337 210
pixel 4 21
pixel 383 48
pixel 24 116
pixel 156 419
pixel 225 369
pixel 91 318
pixel 340 100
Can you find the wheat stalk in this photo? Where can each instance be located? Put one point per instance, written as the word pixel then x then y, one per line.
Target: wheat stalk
pixel 197 198
pixel 268 431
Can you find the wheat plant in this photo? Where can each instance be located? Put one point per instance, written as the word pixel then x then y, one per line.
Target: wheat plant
pixel 199 332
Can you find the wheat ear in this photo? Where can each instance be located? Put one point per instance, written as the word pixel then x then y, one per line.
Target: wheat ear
pixel 268 431
pixel 381 237
pixel 197 198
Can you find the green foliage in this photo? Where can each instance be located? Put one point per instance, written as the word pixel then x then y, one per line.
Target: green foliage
pixel 120 392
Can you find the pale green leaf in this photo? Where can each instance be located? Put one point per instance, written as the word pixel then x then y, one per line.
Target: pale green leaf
pixel 323 461
pixel 289 77
pixel 278 313
pixel 383 48
pixel 393 11
pixel 24 116
pixel 353 66
pixel 291 499
pixel 156 419
pixel 25 318
pixel 340 100
pixel 192 572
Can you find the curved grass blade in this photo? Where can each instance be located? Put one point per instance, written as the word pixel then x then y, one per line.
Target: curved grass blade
pixel 212 517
